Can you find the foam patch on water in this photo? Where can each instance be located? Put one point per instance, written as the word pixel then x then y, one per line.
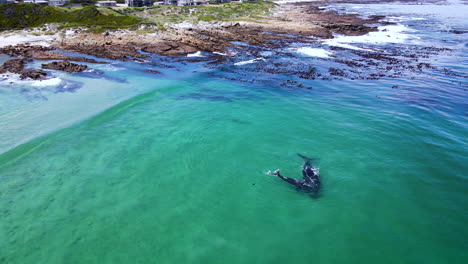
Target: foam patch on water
pixel 314 52
pixel 14 79
pixel 110 67
pixel 385 35
pixel 220 53
pixel 45 83
pixel 399 19
pixel 196 54
pixel 249 61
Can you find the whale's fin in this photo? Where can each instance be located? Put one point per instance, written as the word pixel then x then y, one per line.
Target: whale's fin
pixel 307 159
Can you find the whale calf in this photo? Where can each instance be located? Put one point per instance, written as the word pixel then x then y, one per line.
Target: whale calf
pixel 310 182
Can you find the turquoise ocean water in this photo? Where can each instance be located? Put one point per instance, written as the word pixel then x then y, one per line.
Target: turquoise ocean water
pixel 133 167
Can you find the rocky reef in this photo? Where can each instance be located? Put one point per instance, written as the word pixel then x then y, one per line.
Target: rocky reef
pixel 288 23
pixel 65 66
pixel 17 66
pixel 40 53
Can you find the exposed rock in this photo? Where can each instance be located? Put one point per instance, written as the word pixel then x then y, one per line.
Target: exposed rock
pixel 290 23
pixel 455 31
pixel 40 53
pixel 65 66
pixel 13 66
pixel 349 29
pixel 169 49
pixel 17 66
pixel 33 74
pixel 106 49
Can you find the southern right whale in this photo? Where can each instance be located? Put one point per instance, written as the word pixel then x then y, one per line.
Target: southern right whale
pixel 310 182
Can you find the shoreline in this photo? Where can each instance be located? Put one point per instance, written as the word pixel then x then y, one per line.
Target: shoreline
pixel 302 23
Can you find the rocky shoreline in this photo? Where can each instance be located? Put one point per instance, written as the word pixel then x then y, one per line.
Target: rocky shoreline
pixel 289 23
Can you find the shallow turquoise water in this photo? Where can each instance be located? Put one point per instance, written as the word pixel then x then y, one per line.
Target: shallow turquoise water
pixel 171 169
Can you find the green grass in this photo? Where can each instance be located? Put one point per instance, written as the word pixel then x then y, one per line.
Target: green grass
pixel 220 12
pixel 21 16
pixel 99 19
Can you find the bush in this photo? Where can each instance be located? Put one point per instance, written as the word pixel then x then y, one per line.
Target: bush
pixel 20 16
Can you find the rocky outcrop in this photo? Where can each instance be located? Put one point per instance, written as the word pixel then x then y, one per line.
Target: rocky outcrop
pixel 106 49
pixel 65 66
pixel 17 66
pixel 13 66
pixel 290 23
pixel 33 74
pixel 169 49
pixel 349 29
pixel 40 53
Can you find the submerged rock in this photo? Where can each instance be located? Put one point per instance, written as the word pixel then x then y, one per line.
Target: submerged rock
pixel 152 71
pixel 65 66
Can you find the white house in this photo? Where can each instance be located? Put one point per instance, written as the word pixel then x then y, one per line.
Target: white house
pixel 138 3
pixel 41 2
pixel 37 2
pixel 179 2
pixel 57 2
pixel 106 3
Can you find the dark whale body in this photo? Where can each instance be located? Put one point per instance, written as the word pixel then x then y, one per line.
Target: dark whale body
pixel 310 182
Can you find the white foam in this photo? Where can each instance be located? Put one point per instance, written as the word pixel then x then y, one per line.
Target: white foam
pixel 400 19
pixel 385 35
pixel 196 54
pixel 12 78
pixel 109 67
pixel 249 61
pixel 220 53
pixel 45 83
pixel 142 61
pixel 314 52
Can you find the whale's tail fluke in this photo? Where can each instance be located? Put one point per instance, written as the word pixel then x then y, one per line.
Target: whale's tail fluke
pixel 307 159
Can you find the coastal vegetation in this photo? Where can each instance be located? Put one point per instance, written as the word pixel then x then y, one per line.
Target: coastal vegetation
pixel 220 12
pixel 20 16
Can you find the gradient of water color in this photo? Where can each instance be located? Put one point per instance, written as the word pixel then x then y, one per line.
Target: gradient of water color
pixel 133 167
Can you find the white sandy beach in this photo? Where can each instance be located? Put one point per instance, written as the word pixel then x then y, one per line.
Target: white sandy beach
pixel 34 37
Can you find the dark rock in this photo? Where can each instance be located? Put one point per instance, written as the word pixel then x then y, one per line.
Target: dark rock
pixel 152 71
pixel 336 72
pixel 113 52
pixel 65 66
pixel 455 31
pixel 40 53
pixel 13 66
pixel 170 49
pixel 349 29
pixel 33 74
